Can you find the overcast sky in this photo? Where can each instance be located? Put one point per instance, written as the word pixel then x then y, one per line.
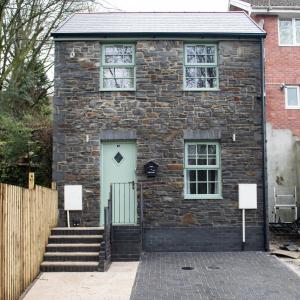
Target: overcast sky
pixel 166 5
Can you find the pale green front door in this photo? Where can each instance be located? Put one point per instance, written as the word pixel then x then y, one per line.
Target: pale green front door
pixel 118 166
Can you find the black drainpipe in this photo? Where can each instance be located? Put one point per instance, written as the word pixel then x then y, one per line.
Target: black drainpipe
pixel 264 156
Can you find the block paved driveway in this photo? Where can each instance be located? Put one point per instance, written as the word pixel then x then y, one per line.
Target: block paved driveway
pixel 216 276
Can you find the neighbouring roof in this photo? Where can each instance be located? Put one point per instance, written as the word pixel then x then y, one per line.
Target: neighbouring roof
pixel 273 3
pixel 129 24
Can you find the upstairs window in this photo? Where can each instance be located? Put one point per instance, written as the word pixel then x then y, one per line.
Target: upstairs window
pixel 201 69
pixel 289 32
pixel 292 100
pixel 118 67
pixel 202 171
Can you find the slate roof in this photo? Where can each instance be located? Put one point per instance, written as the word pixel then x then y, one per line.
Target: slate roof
pixel 166 24
pixel 274 3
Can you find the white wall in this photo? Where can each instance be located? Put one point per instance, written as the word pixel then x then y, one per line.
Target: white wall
pixel 282 166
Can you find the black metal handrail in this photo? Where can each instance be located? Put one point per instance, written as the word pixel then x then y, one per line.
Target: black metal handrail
pixel 122 208
pixel 108 224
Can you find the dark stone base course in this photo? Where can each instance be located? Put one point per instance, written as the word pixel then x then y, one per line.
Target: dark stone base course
pixel 126 243
pixel 104 259
pixel 175 239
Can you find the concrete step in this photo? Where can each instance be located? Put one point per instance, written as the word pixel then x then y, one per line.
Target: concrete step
pixel 75 247
pixel 69 266
pixel 77 231
pixel 71 256
pixel 64 239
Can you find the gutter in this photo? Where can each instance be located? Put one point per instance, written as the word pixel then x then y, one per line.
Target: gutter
pixel 264 156
pixel 276 10
pixel 109 35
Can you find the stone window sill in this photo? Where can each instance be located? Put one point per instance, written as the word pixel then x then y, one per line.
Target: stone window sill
pixel 202 90
pixel 116 90
pixel 204 197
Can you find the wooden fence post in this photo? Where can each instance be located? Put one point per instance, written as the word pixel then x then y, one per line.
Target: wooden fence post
pixel 31 181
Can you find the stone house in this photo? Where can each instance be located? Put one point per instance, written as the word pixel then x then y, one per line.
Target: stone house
pixel 280 19
pixel 182 91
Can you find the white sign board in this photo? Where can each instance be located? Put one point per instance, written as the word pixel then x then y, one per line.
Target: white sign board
pixel 247 196
pixel 73 197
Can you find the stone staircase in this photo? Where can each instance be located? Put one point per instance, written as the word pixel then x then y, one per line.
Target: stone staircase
pixel 76 249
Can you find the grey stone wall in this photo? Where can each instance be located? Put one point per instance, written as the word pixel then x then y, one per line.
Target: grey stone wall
pixel 161 113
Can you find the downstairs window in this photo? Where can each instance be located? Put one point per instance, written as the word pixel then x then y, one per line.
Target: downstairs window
pixel 202 170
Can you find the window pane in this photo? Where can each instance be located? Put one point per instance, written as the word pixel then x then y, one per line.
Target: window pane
pixel 192 154
pixel 200 83
pixel 213 188
pixel 109 59
pixel 202 175
pixel 191 72
pixel 191 59
pixel 118 59
pixel 297 31
pixel 201 149
pixel 212 175
pixel 109 83
pixel 126 83
pixel 118 73
pixel 201 72
pixel 118 83
pixel 192 175
pixel 190 50
pixel 210 59
pixel 128 50
pixel 200 50
pixel 191 83
pixel 212 149
pixel 202 188
pixel 127 59
pixel 109 50
pixel 119 50
pixel 109 73
pixel 192 160
pixel 292 96
pixel 200 59
pixel 202 160
pixel 212 83
pixel 192 188
pixel 210 50
pixel 286 32
pixel 211 72
pixel 212 161
pixel 192 149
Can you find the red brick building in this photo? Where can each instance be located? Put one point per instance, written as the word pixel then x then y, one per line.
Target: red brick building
pixel 281 20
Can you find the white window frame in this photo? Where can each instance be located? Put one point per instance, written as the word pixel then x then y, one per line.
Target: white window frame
pixel 287 106
pixel 113 65
pixel 204 65
pixel 294 44
pixel 188 167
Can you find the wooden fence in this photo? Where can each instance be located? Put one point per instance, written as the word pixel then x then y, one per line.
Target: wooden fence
pixel 26 217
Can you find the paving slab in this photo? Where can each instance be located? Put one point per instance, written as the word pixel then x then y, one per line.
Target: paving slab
pixel 214 276
pixel 115 284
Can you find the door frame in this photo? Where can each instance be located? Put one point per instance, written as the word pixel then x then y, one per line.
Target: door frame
pixel 101 171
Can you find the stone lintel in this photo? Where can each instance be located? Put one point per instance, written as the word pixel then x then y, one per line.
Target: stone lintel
pixel 209 134
pixel 118 134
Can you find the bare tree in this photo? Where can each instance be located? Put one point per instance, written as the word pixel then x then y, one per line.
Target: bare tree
pixel 25 28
